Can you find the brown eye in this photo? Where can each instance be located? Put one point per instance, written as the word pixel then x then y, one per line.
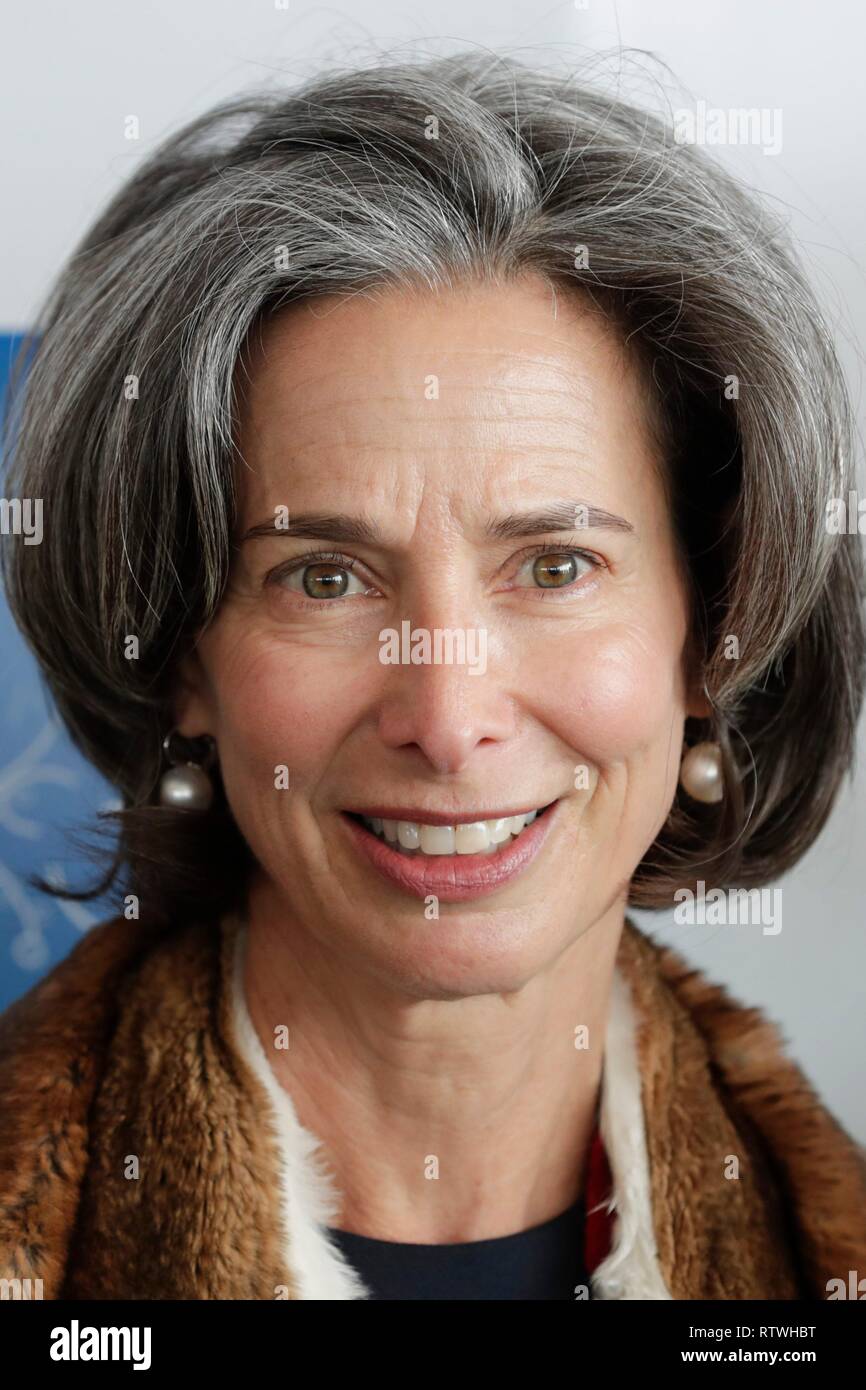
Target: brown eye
pixel 325 580
pixel 555 571
pixel 321 576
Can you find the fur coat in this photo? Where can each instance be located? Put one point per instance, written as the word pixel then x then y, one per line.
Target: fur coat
pixel 140 1047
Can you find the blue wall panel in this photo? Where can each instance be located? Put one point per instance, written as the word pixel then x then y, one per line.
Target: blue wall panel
pixel 46 788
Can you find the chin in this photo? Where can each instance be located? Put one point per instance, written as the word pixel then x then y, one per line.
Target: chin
pixel 463 955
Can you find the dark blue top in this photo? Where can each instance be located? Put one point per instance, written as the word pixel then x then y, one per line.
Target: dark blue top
pixel 545 1262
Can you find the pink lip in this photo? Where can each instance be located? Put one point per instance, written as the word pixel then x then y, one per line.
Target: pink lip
pixel 453 877
pixel 418 813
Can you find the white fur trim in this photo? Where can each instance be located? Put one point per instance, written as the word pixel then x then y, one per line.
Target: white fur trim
pixel 309 1199
pixel 631 1270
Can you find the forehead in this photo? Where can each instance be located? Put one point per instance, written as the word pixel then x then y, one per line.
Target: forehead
pixel 483 387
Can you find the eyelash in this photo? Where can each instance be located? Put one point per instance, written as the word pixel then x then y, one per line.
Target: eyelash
pixel 348 562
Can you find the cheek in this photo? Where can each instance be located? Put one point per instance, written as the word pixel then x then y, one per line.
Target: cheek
pixel 278 705
pixel 615 695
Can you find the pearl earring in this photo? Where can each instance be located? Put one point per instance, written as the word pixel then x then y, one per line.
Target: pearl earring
pixel 186 785
pixel 701 773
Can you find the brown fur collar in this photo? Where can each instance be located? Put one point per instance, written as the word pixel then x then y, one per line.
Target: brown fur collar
pixel 128 1051
pixel 717 1082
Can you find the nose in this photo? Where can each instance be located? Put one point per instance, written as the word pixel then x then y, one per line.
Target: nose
pixel 439 707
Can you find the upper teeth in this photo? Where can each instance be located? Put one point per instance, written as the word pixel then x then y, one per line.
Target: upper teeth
pixel 472 837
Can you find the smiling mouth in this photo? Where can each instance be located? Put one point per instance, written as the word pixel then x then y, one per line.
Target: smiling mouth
pixel 417 839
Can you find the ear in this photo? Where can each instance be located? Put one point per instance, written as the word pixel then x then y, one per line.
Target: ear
pixel 698 706
pixel 192 701
pixel 697 702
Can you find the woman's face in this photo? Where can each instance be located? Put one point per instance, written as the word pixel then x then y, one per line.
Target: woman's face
pixel 435 427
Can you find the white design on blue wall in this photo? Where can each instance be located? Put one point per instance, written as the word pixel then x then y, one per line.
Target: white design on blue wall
pixel 46 790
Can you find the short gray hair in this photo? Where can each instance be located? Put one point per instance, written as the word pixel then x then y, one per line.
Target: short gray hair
pixel 426 174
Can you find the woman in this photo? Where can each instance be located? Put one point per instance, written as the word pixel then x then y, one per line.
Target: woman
pixel 435 463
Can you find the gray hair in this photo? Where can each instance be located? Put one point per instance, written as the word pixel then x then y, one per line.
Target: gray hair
pixel 425 175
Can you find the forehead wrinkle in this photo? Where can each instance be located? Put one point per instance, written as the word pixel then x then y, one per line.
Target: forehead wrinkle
pixel 483 406
pixel 513 359
pixel 497 398
pixel 459 389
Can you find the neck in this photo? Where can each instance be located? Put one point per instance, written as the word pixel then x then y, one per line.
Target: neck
pixel 441 1119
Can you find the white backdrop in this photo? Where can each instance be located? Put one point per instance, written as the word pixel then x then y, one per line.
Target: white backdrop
pixel 72 74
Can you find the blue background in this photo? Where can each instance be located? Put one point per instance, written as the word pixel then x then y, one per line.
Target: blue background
pixel 46 788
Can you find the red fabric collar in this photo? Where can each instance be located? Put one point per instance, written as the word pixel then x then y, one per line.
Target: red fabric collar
pixel 598 1221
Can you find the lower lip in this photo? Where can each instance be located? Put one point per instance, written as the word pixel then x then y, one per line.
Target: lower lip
pixel 454 878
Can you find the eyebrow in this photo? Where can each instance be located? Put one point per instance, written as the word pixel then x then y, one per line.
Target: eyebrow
pixel 561 516
pixel 352 530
